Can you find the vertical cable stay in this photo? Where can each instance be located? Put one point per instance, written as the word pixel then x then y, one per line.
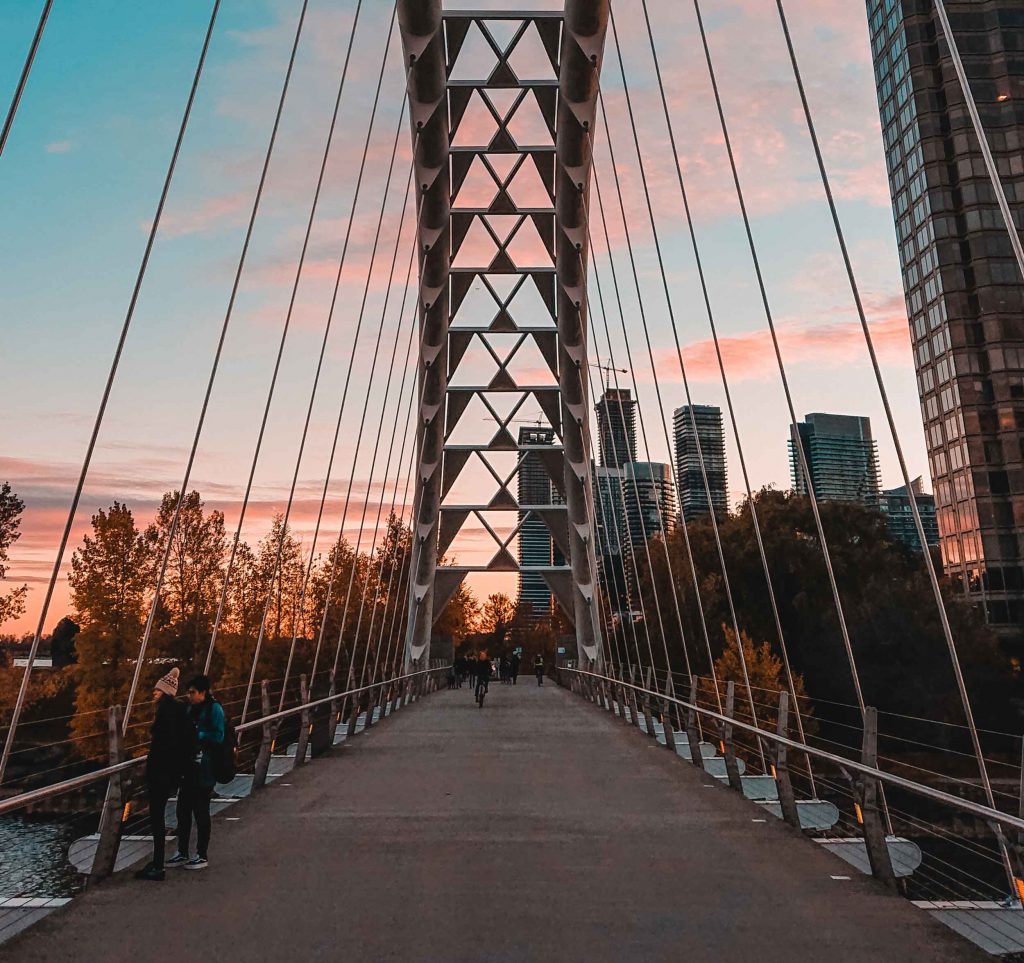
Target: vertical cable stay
pixel 727 583
pixel 22 81
pixel 384 404
pixel 390 377
pixel 884 393
pixel 632 547
pixel 105 397
pixel 183 488
pixel 629 361
pixel 699 261
pixel 309 411
pixel 284 337
pixel 770 319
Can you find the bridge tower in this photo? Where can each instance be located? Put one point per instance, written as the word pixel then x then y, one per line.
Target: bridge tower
pixel 503 108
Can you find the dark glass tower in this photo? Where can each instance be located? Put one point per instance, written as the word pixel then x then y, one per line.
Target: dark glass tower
pixel 616 427
pixel 535 543
pixel 964 292
pixel 841 456
pixel 708 440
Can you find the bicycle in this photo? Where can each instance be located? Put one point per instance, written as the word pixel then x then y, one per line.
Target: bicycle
pixel 481 691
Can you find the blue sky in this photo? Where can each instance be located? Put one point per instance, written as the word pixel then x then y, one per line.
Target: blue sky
pixel 82 170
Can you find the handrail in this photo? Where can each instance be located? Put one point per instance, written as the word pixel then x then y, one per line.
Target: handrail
pixel 937 795
pixel 77 782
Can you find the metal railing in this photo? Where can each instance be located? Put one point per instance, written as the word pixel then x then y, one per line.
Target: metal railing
pixel 316 733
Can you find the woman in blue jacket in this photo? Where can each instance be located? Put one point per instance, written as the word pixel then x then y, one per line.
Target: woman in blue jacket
pixel 196 791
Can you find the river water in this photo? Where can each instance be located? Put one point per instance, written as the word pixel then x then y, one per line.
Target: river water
pixel 34 856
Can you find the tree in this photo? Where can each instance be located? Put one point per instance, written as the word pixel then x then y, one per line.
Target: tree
pixel 889 608
pixel 194 576
pixel 496 617
pixel 62 643
pixel 767 677
pixel 12 605
pixel 109 578
pixel 459 619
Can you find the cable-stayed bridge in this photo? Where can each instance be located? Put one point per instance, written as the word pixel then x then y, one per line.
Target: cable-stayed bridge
pixel 664 794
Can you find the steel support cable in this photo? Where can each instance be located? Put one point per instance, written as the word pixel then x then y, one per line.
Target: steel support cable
pixel 394 491
pixel 377 439
pixel 629 358
pixel 727 582
pixel 933 578
pixel 769 316
pixel 25 71
pixel 104 399
pixel 275 572
pixel 348 494
pixel 375 583
pixel 615 375
pixel 699 261
pixel 979 130
pixel 183 489
pixel 384 405
pixel 614 529
pixel 284 337
pixel 622 497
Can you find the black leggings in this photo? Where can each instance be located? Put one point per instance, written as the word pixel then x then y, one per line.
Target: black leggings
pixel 194 802
pixel 158 796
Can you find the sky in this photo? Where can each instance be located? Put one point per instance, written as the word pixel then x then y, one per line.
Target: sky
pixel 82 172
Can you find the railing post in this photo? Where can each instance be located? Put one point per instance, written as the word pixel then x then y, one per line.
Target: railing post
pixel 112 819
pixel 259 779
pixel 866 788
pixel 648 715
pixel 304 722
pixel 335 712
pixel 787 800
pixel 634 705
pixel 692 733
pixel 729 748
pixel 666 718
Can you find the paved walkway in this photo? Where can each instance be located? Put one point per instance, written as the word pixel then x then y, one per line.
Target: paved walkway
pixel 534 829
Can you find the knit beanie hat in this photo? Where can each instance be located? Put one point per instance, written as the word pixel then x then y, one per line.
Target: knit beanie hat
pixel 169 683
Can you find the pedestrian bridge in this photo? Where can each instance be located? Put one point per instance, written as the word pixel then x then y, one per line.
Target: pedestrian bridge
pixel 536 828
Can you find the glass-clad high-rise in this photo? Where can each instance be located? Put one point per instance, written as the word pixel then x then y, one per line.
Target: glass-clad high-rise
pixel 964 291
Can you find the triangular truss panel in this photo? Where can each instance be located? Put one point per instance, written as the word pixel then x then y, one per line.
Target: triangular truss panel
pixel 503 454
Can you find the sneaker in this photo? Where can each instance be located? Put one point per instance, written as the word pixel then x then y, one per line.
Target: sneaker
pixel 151 873
pixel 197 862
pixel 178 859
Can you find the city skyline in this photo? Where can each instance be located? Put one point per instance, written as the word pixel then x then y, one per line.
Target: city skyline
pixel 52 156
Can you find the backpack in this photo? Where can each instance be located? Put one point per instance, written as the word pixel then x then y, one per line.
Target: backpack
pixel 225 759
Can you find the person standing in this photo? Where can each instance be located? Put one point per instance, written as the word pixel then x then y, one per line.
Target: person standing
pixel 207 717
pixel 514 666
pixel 172 744
pixel 538 667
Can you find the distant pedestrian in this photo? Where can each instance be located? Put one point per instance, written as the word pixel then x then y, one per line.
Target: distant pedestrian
pixel 207 718
pixel 504 670
pixel 172 744
pixel 538 667
pixel 513 665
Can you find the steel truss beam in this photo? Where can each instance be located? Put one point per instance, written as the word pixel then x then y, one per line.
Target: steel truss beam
pixel 564 104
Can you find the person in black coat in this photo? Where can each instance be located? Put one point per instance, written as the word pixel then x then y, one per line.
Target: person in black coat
pixel 172 745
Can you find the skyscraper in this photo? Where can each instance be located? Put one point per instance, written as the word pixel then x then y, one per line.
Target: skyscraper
pixel 895 505
pixel 612 544
pixel 616 427
pixel 964 291
pixel 710 437
pixel 649 500
pixel 535 543
pixel 842 458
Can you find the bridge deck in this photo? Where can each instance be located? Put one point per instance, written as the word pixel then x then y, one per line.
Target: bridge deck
pixel 534 829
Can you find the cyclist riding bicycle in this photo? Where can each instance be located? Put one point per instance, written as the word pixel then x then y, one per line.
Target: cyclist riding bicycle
pixel 483 677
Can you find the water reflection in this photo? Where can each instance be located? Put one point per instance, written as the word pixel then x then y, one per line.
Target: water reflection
pixel 34 856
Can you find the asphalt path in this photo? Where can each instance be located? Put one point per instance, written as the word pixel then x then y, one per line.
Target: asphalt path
pixel 536 828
